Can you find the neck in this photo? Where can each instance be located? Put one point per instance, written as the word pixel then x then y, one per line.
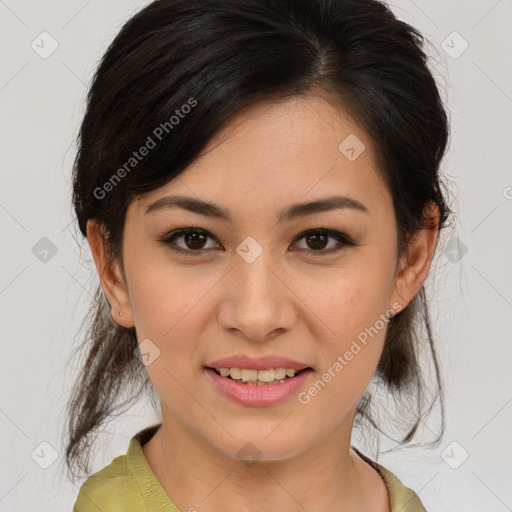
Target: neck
pixel 325 476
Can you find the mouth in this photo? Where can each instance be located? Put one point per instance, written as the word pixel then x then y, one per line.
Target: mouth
pixel 271 376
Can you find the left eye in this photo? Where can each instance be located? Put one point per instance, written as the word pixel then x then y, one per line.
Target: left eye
pixel 194 240
pixel 318 238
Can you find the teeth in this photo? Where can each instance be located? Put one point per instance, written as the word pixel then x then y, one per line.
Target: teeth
pixel 249 375
pixel 280 373
pixel 258 376
pixel 234 372
pixel 264 375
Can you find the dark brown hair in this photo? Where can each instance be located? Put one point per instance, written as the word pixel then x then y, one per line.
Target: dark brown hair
pixel 218 57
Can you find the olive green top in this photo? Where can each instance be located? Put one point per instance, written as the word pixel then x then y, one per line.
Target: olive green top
pixel 128 484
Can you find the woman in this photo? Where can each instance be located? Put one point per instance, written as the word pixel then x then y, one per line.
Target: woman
pixel 259 185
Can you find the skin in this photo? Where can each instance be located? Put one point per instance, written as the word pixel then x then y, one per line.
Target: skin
pixel 293 303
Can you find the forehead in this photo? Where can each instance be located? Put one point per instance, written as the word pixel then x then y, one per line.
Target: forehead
pixel 280 152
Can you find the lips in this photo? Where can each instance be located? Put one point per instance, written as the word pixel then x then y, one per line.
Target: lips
pixel 254 395
pixel 256 363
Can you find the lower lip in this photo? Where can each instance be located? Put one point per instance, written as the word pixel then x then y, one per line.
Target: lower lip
pixel 254 395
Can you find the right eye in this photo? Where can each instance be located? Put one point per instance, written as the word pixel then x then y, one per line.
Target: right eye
pixel 193 239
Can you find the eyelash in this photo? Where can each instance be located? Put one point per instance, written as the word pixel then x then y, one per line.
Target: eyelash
pixel 340 237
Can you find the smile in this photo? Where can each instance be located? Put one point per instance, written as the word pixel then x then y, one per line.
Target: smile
pixel 249 390
pixel 258 377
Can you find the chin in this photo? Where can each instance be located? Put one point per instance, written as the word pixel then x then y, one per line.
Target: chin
pixel 257 447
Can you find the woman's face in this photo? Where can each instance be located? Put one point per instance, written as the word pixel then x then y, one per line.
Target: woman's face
pixel 251 285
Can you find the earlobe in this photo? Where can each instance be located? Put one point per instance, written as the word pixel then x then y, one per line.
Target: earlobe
pixel 415 265
pixel 109 272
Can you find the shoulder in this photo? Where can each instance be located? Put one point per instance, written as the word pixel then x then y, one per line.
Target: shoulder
pixel 402 499
pixel 113 488
pixel 127 484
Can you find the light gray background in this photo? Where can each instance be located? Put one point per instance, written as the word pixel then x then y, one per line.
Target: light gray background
pixel 42 303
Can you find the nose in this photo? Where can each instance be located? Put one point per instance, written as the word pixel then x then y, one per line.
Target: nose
pixel 257 304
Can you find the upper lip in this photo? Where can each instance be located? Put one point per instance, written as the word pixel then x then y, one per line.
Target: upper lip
pixel 256 363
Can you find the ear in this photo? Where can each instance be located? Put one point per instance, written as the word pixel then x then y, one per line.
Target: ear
pixel 415 265
pixel 110 274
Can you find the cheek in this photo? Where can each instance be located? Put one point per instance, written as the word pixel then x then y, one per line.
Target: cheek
pixel 353 306
pixel 348 356
pixel 352 299
pixel 166 298
pixel 169 310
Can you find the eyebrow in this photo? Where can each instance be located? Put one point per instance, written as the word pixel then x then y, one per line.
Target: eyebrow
pixel 289 213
